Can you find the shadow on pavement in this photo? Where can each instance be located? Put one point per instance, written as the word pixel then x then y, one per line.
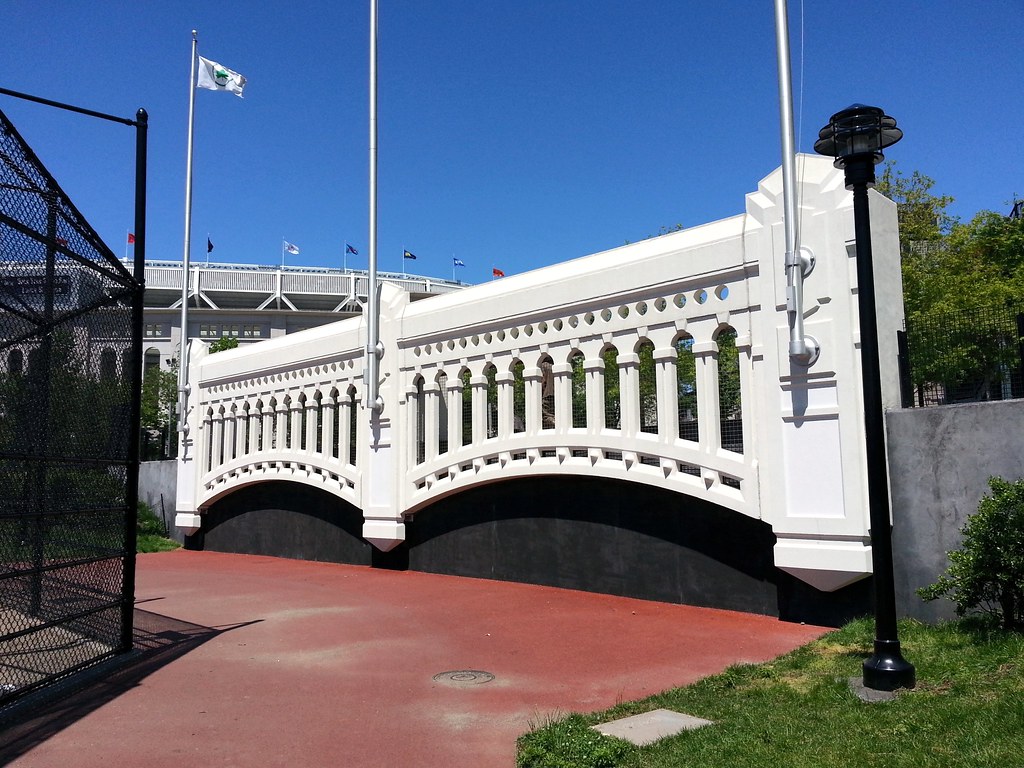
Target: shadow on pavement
pixel 159 640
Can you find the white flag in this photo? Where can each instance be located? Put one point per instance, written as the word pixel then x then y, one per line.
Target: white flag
pixel 291 247
pixel 217 78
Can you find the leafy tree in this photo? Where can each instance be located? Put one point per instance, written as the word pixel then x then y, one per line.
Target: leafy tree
pixel 224 343
pixel 922 215
pixel 729 402
pixel 467 408
pixel 648 377
pixel 686 388
pixel 160 388
pixel 612 394
pixel 579 391
pixel 924 223
pixel 518 397
pixel 959 279
pixel 159 392
pixel 960 305
pixel 491 374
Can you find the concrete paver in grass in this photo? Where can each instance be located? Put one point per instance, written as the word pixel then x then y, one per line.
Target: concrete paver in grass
pixel 648 727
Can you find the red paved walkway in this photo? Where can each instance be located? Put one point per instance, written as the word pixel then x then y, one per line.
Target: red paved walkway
pixel 314 664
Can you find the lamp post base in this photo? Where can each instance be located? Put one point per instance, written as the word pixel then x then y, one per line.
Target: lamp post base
pixel 886 669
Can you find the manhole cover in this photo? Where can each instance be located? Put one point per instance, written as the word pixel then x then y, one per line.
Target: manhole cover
pixel 464 677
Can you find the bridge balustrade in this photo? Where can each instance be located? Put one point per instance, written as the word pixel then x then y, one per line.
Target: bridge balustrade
pixel 663 362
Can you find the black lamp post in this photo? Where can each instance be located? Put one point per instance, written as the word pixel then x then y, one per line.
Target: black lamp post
pixel 855 137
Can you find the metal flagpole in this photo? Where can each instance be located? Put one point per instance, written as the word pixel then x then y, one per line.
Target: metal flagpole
pixel 373 350
pixel 803 349
pixel 183 354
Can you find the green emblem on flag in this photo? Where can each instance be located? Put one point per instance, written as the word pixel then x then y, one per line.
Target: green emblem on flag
pixel 221 76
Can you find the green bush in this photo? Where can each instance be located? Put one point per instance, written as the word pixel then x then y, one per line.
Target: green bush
pixel 152 534
pixel 986 575
pixel 148 523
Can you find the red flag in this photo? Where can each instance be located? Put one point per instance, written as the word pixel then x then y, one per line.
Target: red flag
pixel 497 272
pixel 131 239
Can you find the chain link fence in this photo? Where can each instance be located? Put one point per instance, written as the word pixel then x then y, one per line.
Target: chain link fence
pixel 66 354
pixel 971 355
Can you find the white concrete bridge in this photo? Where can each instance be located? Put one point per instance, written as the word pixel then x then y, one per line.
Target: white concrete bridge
pixel 661 363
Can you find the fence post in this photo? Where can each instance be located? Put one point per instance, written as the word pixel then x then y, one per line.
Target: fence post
pixel 1017 386
pixel 906 382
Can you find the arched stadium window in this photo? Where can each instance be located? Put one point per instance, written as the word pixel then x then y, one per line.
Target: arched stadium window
pixel 108 364
pixel 15 362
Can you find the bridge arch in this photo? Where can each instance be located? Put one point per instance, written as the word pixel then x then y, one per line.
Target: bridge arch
pixel 610 536
pixel 285 518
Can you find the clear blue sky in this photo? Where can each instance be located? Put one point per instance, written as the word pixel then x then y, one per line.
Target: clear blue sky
pixel 512 134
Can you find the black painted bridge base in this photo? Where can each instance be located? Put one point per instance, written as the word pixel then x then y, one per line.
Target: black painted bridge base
pixel 579 533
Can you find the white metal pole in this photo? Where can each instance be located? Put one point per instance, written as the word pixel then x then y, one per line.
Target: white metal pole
pixel 183 353
pixel 802 349
pixel 373 351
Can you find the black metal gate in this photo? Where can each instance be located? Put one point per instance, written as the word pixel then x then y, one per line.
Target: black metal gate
pixel 68 440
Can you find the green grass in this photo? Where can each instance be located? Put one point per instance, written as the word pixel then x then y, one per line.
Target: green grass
pixel 798 711
pixel 151 533
pixel 150 542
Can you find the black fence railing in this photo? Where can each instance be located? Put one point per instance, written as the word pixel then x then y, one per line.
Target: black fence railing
pixel 67 348
pixel 971 355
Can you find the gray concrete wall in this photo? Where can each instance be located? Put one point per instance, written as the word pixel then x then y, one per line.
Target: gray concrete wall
pixel 940 460
pixel 157 487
